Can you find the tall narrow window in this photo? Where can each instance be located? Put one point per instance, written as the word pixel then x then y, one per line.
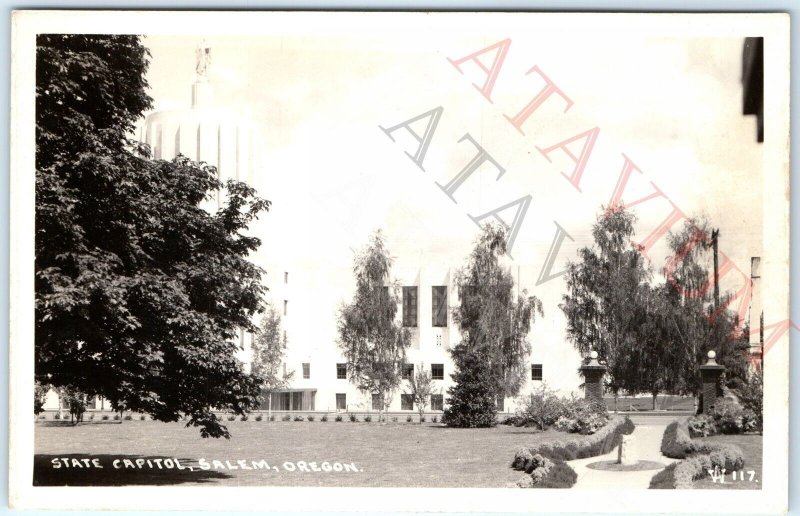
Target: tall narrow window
pixel 536 372
pixel 306 370
pixel 406 402
pixel 501 403
pixel 408 371
pixel 341 371
pixel 341 401
pixel 437 401
pixel 376 402
pixel 439 304
pixel 410 306
pixel 437 371
pixel 285 307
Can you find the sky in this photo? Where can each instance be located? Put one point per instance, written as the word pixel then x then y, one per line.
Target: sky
pixel 672 105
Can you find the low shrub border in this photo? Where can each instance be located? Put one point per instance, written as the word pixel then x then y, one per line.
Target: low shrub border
pixel 558 473
pixel 699 457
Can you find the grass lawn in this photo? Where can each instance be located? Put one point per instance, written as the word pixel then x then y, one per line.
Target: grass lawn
pixel 752 447
pixel 391 455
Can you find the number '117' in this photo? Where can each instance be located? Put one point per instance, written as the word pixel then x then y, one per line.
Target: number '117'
pixel 740 475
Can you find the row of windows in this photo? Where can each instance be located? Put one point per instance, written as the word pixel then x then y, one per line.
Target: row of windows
pixel 437 371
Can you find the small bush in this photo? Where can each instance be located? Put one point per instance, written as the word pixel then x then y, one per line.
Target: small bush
pixel 751 396
pixel 259 417
pixel 353 418
pixel 298 418
pixel 579 447
pixel 422 419
pixel 394 419
pixel 546 473
pixel 91 417
pixel 435 419
pixel 560 476
pixel 324 418
pixel 310 418
pixel 244 417
pixel 700 457
pixel 272 417
pixel 141 418
pixel 57 416
pixel 701 426
pixel 286 417
pixel 728 416
pixel 129 418
pixel 231 417
pixel 541 407
pixel 105 417
pixel 573 415
pixel 409 419
pixel 116 417
pixel 367 418
pixel 338 418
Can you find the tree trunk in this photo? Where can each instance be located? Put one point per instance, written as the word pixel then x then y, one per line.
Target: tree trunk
pixel 616 396
pixel 269 406
pixel 655 395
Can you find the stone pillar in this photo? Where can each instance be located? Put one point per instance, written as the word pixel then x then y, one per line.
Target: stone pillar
pixel 710 373
pixel 593 373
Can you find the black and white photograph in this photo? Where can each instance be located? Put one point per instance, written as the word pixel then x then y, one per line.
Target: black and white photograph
pixel 484 257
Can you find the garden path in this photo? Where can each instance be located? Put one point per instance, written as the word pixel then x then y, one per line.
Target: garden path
pixel 646 446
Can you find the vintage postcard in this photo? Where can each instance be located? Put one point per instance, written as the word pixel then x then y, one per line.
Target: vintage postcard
pixel 437 261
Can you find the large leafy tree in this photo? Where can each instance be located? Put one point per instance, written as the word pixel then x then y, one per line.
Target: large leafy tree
pixel 603 303
pixel 371 339
pixel 698 325
pixel 140 293
pixel 491 358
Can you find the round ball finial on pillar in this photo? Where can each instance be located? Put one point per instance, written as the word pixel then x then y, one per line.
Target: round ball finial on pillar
pixel 710 373
pixel 593 373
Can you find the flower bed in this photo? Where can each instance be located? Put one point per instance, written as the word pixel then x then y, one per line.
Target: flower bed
pixel 550 457
pixel 700 457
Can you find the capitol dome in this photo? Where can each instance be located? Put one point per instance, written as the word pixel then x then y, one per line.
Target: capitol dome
pixel 204 132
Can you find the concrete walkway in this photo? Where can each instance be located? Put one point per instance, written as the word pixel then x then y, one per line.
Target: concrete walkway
pixel 646 446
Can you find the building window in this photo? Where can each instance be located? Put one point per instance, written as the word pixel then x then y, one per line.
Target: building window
pixel 437 402
pixel 437 371
pixel 306 370
pixel 536 372
pixel 410 306
pixel 341 371
pixel 341 401
pixel 408 371
pixel 376 402
pixel 501 403
pixel 285 307
pixel 406 402
pixel 439 307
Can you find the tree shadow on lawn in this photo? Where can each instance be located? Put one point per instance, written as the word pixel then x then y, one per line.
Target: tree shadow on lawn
pixel 45 474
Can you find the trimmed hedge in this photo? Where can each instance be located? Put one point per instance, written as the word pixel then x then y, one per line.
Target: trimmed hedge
pixel 580 446
pixel 545 463
pixel 700 457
